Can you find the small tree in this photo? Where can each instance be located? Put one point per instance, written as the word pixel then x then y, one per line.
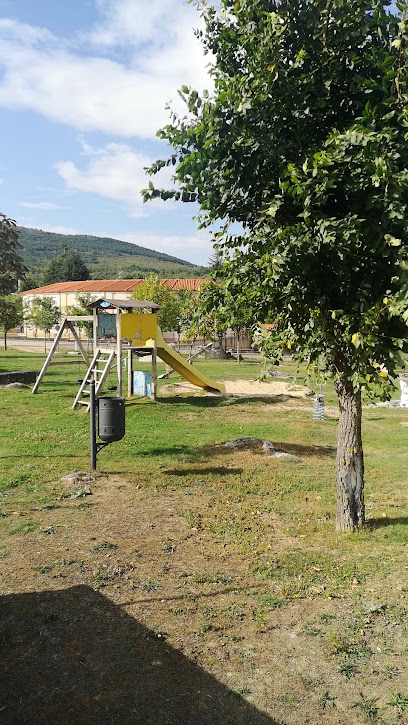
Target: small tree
pixel 207 319
pixel 153 290
pixel 186 304
pixel 43 314
pixel 217 303
pixel 11 265
pixel 304 144
pixel 81 308
pixel 11 313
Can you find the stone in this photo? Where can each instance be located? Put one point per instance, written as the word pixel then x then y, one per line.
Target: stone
pixel 18 376
pixel 217 353
pixel 245 443
pixel 258 445
pixel 282 454
pixel 16 386
pixel 81 478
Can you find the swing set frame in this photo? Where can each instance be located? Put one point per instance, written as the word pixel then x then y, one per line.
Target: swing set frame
pixel 103 305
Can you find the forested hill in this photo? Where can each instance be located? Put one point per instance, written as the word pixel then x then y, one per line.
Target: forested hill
pixel 106 258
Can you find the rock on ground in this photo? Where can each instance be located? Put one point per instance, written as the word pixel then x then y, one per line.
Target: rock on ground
pixel 258 446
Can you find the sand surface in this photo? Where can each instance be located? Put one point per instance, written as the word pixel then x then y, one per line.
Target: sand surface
pixel 243 388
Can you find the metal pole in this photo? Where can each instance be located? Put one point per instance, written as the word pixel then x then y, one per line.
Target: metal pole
pixel 154 369
pixel 92 425
pixel 130 373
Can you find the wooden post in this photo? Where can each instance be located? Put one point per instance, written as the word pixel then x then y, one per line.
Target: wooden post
pixel 95 330
pixel 50 354
pixel 77 339
pixel 130 372
pixel 154 369
pixel 66 322
pixel 118 355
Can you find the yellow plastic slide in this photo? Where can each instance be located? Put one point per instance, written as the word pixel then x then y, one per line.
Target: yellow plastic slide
pixel 183 368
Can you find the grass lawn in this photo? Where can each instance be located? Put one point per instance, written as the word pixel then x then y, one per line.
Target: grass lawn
pixel 190 583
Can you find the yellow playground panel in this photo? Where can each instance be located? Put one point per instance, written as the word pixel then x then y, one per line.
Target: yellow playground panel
pixel 140 330
pixel 136 329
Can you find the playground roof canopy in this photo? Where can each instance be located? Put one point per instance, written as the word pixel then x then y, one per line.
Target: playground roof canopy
pixel 124 304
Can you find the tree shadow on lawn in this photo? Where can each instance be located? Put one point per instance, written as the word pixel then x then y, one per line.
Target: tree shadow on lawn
pixel 204 453
pixel 72 656
pixel 202 401
pixel 382 523
pixel 297 449
pixel 214 470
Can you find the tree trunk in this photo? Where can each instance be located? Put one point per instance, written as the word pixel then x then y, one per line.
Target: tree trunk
pixel 349 460
pixel 5 339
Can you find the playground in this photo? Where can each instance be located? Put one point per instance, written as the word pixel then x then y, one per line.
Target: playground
pixel 122 328
pixel 214 573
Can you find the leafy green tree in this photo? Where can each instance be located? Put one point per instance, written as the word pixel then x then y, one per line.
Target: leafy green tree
pixel 43 314
pixel 81 308
pixel 210 319
pixel 217 303
pixel 66 267
pixel 11 313
pixel 304 144
pixel 11 265
pixel 153 290
pixel 186 301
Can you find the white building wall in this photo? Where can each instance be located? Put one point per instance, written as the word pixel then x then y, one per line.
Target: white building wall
pixel 63 300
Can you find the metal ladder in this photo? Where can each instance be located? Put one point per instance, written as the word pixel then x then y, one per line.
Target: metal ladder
pixel 98 370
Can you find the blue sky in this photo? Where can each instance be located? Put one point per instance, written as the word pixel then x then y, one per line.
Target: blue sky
pixel 83 89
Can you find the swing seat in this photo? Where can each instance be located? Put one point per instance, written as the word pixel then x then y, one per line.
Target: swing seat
pixel 404 393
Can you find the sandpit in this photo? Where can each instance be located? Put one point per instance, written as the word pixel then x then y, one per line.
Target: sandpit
pixel 242 388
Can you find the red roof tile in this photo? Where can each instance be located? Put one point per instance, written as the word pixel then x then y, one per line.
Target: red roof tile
pixel 113 285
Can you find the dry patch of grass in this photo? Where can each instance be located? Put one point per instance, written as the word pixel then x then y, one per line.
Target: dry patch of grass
pixel 305 632
pixel 195 584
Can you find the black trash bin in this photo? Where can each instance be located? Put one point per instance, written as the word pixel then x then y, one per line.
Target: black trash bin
pixel 111 419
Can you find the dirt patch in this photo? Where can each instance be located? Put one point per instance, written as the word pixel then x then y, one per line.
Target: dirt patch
pixel 243 388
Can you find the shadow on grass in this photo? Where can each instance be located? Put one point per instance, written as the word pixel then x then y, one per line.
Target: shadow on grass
pixel 72 656
pixel 382 523
pixel 216 470
pixel 187 597
pixel 205 453
pixel 296 449
pixel 203 401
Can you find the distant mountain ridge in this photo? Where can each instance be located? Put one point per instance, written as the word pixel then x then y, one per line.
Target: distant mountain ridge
pixel 106 258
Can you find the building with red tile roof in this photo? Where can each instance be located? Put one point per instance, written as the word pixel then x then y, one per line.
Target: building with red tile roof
pixel 63 294
pixel 95 286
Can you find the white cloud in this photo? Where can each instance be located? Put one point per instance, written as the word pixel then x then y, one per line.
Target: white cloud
pixel 44 205
pixel 127 22
pixel 58 229
pixel 194 248
pixel 126 98
pixel 24 34
pixel 114 172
